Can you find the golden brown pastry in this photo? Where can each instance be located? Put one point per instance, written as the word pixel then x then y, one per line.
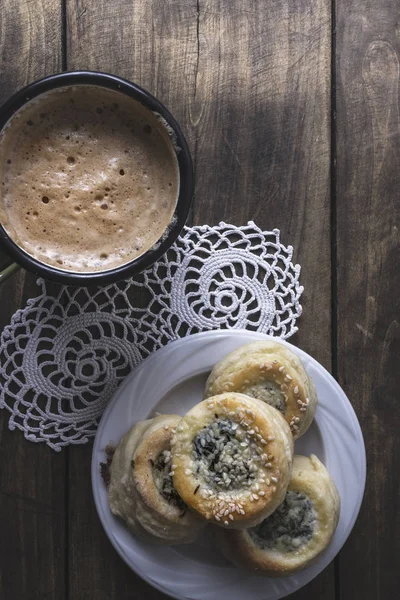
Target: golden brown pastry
pixel 232 459
pixel 270 372
pixel 297 532
pixel 140 488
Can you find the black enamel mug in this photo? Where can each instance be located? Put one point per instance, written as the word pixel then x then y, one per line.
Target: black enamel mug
pixel 12 256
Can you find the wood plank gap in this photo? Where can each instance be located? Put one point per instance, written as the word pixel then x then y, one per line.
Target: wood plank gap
pixel 64 64
pixel 334 298
pixel 66 525
pixel 334 286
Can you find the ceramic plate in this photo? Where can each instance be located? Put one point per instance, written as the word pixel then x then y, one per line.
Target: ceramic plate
pixel 171 381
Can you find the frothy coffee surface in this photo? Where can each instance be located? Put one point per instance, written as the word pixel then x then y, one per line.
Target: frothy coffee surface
pixel 90 178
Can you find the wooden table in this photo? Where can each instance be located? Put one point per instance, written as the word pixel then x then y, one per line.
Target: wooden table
pixel 291 110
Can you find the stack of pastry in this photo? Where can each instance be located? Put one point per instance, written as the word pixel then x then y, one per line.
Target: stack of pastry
pixel 229 462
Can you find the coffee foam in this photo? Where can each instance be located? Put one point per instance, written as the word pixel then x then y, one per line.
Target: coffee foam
pixel 90 178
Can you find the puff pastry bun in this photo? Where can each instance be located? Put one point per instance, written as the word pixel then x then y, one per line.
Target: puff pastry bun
pixel 270 372
pixel 140 489
pixel 232 459
pixel 297 532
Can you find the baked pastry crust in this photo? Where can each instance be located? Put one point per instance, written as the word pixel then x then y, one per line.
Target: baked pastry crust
pixel 271 372
pixel 140 489
pixel 232 459
pixel 298 532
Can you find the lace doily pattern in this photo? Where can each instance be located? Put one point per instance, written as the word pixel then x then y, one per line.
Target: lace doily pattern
pixel 62 357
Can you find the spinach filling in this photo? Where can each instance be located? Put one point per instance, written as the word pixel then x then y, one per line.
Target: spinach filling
pixel 289 527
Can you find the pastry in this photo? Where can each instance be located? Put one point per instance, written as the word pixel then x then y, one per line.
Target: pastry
pixel 297 532
pixel 140 489
pixel 232 459
pixel 270 372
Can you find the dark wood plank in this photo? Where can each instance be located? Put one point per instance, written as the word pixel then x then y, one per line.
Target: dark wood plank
pixel 155 45
pixel 32 516
pixel 262 111
pixel 262 115
pixel 368 191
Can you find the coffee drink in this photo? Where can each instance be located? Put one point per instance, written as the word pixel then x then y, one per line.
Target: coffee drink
pixel 89 178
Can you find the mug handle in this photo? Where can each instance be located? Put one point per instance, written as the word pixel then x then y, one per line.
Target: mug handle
pixel 8 271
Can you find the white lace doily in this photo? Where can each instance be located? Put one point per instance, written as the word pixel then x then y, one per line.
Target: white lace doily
pixel 63 356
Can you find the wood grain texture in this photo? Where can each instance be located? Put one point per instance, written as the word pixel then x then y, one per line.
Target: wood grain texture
pixel 263 127
pixel 153 44
pixel 368 211
pixel 262 115
pixel 32 516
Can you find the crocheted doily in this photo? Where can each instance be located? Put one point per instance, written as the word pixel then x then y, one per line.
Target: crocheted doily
pixel 63 356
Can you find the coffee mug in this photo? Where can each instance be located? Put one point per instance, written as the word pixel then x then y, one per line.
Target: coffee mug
pixel 12 256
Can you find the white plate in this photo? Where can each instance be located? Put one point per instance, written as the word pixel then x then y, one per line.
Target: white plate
pixel 171 381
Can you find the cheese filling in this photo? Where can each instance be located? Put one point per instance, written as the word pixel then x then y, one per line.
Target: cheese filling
pixel 267 391
pixel 226 455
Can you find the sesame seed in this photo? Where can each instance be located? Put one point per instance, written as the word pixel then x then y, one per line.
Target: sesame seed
pixel 268 465
pixel 255 497
pixel 256 429
pixel 242 512
pixel 303 409
pixel 299 402
pixel 261 493
pixel 297 419
pixel 307 400
pixel 187 471
pixel 288 378
pixel 226 522
pixel 281 369
pixel 217 518
pixel 261 366
pixel 271 438
pixel 166 427
pixel 268 482
pixel 269 367
pixel 172 473
pixel 274 479
pixel 173 466
pixel 231 517
pixel 296 389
